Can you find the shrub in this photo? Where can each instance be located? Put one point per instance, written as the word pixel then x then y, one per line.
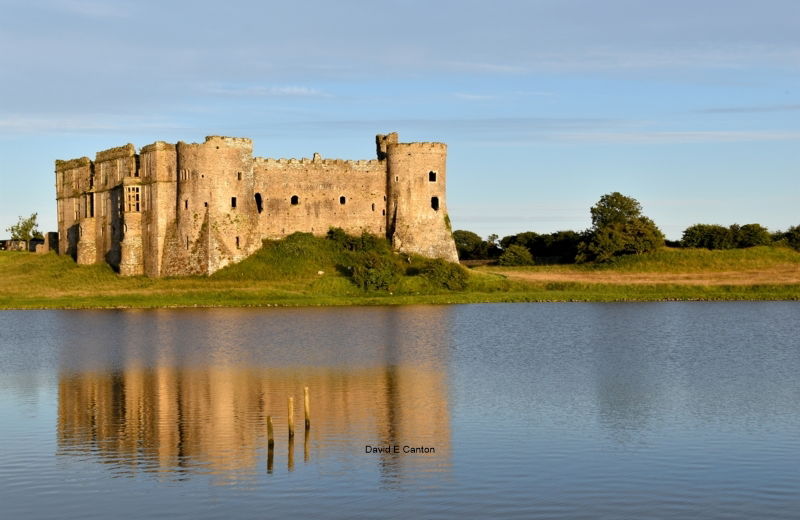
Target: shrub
pixel 373 271
pixel 444 274
pixel 515 255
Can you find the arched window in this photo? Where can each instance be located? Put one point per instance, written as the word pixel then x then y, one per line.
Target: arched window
pixel 295 200
pixel 342 199
pixel 259 203
pixel 435 203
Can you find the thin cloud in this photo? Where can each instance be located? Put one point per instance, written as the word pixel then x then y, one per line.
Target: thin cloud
pixel 16 124
pixel 676 137
pixel 273 91
pixel 93 8
pixel 749 110
pixel 474 97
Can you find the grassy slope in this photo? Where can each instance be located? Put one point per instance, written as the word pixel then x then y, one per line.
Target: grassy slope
pixel 287 274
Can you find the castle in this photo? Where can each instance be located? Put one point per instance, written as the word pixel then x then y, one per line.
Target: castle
pixel 193 208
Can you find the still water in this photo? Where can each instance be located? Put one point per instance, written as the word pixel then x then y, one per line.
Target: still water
pixel 662 410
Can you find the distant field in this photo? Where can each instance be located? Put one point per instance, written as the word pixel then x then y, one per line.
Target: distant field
pixel 753 266
pixel 271 278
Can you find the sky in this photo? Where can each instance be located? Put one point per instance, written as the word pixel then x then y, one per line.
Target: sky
pixel 692 108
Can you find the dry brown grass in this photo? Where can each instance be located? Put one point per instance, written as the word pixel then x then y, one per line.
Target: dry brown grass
pixel 776 275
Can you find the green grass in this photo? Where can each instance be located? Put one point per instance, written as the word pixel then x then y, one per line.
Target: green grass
pixel 286 273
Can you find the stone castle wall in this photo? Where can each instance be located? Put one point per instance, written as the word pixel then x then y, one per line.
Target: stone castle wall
pixel 193 208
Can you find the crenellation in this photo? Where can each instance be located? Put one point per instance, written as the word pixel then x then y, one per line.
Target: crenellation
pixel 192 208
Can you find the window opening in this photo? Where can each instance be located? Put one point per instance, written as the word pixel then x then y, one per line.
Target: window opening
pixel 431 176
pixel 342 199
pixel 259 203
pixel 435 203
pixel 295 200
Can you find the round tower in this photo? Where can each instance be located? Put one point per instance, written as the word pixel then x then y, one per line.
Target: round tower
pixel 215 202
pixel 416 219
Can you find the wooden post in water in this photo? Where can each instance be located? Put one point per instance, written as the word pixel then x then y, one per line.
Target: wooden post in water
pixel 305 447
pixel 270 457
pixel 306 408
pixel 291 417
pixel 270 436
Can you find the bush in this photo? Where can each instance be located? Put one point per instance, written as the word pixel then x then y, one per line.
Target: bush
pixel 515 255
pixel 364 242
pixel 373 271
pixel 444 274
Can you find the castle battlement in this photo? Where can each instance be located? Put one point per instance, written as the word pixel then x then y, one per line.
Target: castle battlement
pixel 193 208
pixel 68 164
pixel 115 153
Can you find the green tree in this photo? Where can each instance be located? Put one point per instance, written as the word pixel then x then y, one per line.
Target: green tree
pixel 750 235
pixel 618 228
pixel 515 255
pixel 25 229
pixel 469 245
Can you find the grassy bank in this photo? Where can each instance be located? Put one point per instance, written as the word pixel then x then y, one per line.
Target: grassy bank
pixel 288 273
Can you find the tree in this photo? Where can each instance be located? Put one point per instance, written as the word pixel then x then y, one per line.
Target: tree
pixel 469 245
pixel 515 255
pixel 25 229
pixel 750 235
pixel 618 228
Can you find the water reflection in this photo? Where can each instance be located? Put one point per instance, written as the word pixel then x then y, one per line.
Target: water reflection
pixel 191 393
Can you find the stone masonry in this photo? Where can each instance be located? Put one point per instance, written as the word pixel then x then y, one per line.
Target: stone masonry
pixel 193 208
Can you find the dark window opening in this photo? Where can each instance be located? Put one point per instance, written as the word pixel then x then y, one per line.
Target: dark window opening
pixel 342 199
pixel 295 200
pixel 187 242
pixel 238 176
pixel 259 203
pixel 237 242
pixel 383 212
pixel 396 178
pixel 233 202
pixel 373 206
pixel 186 204
pixel 205 204
pixel 432 176
pixel 435 203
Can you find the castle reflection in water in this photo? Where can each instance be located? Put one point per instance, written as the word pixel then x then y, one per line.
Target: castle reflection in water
pixel 150 413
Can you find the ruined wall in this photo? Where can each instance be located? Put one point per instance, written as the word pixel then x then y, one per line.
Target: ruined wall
pixel 72 178
pixel 114 169
pixel 313 195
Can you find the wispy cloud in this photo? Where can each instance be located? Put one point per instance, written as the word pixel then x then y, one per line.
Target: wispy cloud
pixel 94 8
pixel 676 137
pixel 267 91
pixel 16 124
pixel 474 97
pixel 749 109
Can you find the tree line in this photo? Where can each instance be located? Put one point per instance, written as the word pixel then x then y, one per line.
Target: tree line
pixel 618 228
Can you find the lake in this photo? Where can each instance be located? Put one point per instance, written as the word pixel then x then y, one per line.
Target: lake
pixel 558 411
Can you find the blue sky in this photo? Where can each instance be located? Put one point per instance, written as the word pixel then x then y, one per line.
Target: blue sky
pixel 693 108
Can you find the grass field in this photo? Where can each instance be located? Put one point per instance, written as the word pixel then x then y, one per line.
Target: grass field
pixel 287 274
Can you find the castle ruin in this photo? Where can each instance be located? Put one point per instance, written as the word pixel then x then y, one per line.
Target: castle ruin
pixel 193 208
